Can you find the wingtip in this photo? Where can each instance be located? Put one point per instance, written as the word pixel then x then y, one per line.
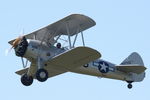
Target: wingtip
pixel 11 42
pixel 96 52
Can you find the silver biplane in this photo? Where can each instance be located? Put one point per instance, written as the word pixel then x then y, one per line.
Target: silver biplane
pixel 48 57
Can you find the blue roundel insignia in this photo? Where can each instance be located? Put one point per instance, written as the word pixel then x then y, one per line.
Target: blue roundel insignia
pixel 103 67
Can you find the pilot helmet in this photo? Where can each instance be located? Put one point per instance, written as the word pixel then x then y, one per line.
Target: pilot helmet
pixel 58 45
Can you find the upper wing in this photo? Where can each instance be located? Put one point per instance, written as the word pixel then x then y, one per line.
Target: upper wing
pixel 131 68
pixel 74 58
pixel 75 22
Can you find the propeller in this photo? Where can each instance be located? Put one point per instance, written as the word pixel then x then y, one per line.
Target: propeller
pixel 15 42
pixel 20 45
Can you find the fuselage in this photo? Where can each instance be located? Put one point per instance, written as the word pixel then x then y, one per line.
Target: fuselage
pixel 99 67
pixel 102 68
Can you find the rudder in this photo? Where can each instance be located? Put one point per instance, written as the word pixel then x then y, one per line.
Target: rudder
pixel 133 58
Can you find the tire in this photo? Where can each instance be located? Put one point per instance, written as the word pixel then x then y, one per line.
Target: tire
pixel 129 85
pixel 26 80
pixel 42 75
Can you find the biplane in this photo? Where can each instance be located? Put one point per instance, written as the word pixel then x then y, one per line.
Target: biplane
pixel 48 57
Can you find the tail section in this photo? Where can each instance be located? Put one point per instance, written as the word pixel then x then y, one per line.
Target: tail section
pixel 134 66
pixel 133 58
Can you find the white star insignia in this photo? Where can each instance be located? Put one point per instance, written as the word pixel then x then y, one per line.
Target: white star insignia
pixel 103 67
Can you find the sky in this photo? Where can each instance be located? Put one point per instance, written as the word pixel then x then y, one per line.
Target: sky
pixel 122 27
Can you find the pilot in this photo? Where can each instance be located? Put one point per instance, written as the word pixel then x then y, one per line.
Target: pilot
pixel 58 45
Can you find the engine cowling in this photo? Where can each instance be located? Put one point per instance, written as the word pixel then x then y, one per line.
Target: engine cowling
pixel 21 48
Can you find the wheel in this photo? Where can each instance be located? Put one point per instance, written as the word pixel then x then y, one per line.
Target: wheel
pixel 129 85
pixel 26 80
pixel 41 75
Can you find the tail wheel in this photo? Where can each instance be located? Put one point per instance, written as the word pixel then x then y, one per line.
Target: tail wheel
pixel 129 85
pixel 41 75
pixel 26 80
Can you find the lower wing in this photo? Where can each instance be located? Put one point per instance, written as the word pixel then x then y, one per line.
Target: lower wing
pixel 64 62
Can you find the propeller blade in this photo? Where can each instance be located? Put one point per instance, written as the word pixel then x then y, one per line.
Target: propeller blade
pixel 15 43
pixel 7 51
pixel 21 33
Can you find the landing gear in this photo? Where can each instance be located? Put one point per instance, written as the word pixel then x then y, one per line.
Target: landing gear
pixel 41 75
pixel 129 84
pixel 26 80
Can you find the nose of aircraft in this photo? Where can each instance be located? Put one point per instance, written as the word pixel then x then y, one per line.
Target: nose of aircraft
pixel 16 42
pixel 20 45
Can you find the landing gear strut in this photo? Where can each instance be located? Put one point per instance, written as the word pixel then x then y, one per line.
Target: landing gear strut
pixel 41 75
pixel 26 80
pixel 129 84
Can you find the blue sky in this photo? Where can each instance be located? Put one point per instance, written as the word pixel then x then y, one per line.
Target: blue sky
pixel 123 26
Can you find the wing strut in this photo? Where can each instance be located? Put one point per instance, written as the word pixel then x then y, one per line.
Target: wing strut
pixel 24 64
pixel 67 28
pixel 82 38
pixel 71 45
pixel 75 39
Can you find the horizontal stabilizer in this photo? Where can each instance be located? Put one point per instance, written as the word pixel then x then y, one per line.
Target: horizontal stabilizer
pixel 134 68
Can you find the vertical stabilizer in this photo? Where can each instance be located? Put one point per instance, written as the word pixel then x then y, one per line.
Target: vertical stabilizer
pixel 133 58
pixel 134 65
